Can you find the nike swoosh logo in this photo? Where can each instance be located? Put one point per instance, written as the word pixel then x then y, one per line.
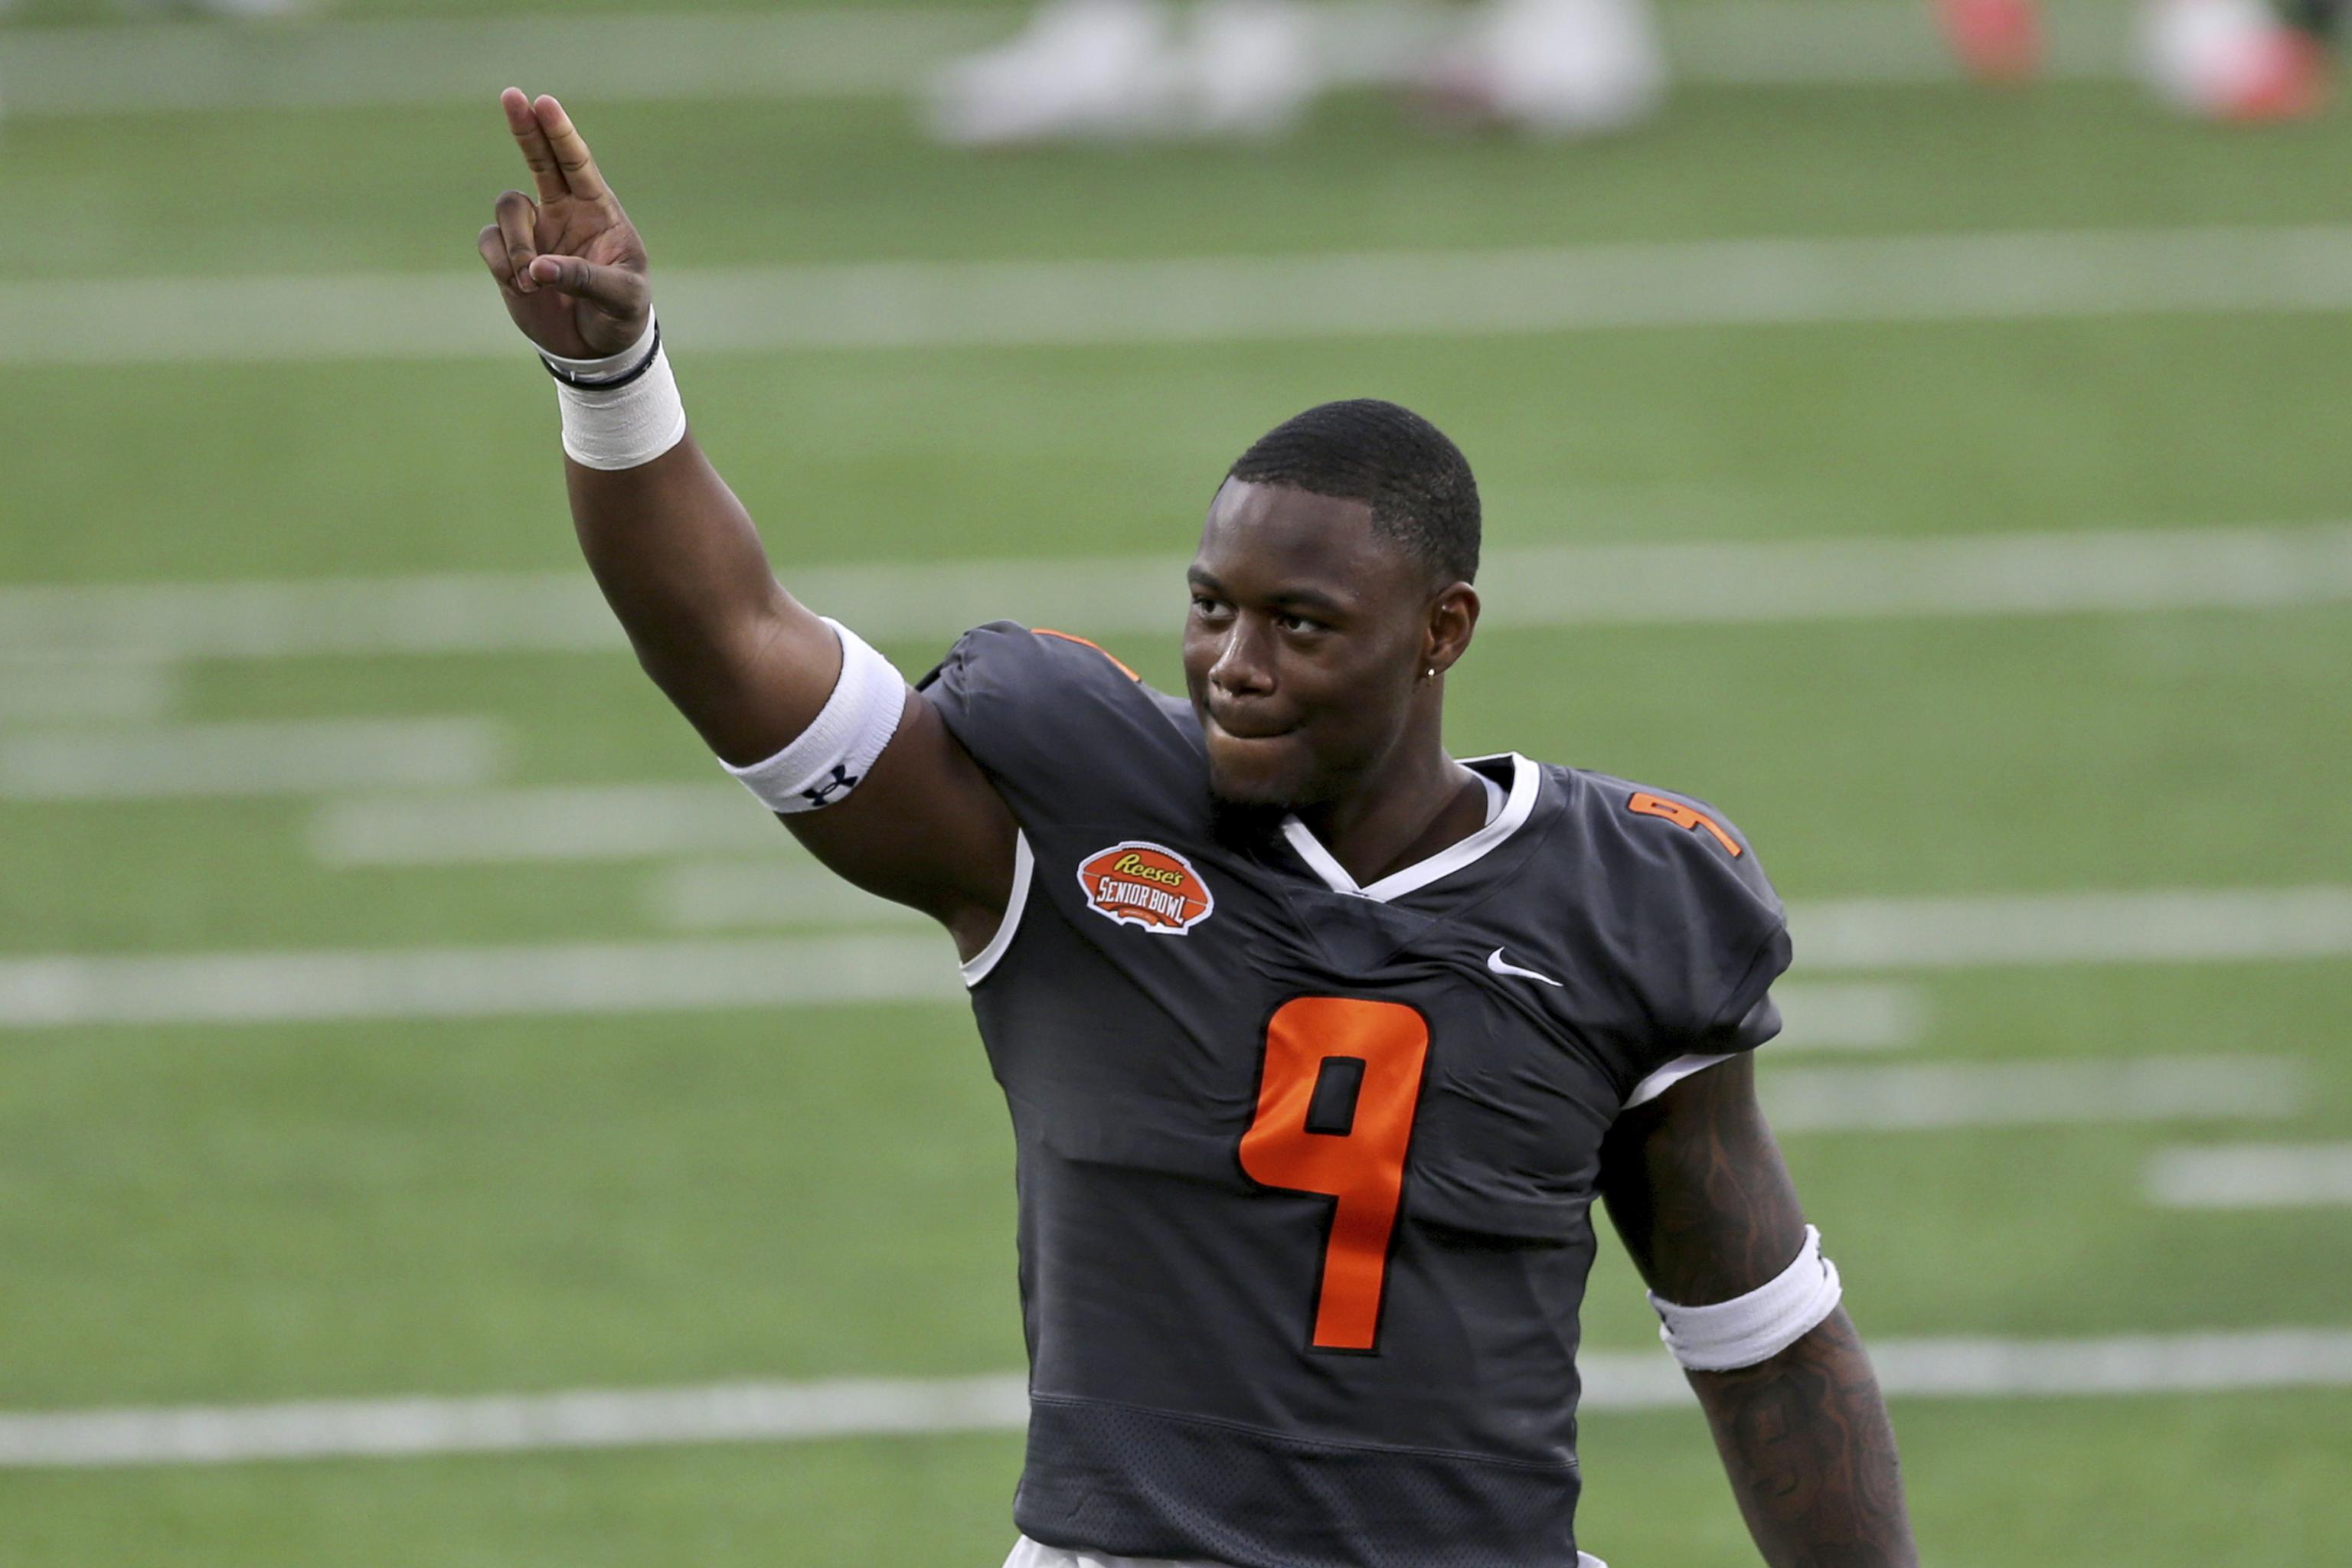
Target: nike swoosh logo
pixel 1494 962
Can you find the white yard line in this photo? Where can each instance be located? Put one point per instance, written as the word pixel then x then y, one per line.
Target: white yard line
pixel 1915 1097
pixel 1233 299
pixel 865 1407
pixel 732 895
pixel 2217 1363
pixel 552 612
pixel 1861 579
pixel 68 689
pixel 2156 926
pixel 690 975
pixel 1848 1015
pixel 582 822
pixel 480 613
pixel 585 1418
pixel 2251 1176
pixel 476 982
pixel 293 757
pixel 1786 581
pixel 869 53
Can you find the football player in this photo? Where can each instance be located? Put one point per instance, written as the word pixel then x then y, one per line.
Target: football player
pixel 1318 1043
pixel 1116 69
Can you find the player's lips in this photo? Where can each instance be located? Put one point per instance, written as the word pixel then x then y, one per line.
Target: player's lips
pixel 1250 728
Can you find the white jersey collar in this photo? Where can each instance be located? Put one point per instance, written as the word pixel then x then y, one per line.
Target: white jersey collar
pixel 1526 780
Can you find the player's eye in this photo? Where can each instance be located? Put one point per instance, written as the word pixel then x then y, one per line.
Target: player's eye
pixel 1291 622
pixel 1206 608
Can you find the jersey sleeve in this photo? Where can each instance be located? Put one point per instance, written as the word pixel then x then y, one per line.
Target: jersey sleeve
pixel 1057 724
pixel 1703 932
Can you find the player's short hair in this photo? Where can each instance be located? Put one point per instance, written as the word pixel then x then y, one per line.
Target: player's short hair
pixel 1417 482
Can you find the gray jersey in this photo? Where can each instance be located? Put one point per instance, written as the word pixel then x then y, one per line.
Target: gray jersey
pixel 1305 1170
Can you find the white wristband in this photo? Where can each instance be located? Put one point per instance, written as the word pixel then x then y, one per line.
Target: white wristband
pixel 622 411
pixel 1760 1325
pixel 834 754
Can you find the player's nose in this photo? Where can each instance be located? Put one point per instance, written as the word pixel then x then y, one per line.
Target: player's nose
pixel 1242 666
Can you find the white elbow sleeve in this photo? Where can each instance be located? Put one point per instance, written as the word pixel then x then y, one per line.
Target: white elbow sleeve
pixel 1760 1325
pixel 834 754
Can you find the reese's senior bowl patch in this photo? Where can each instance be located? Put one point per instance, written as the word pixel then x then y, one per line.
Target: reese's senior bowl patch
pixel 1147 885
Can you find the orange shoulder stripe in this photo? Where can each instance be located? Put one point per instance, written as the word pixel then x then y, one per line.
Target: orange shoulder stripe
pixel 1083 642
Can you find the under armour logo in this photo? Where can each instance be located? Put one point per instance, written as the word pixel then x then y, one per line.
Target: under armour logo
pixel 841 783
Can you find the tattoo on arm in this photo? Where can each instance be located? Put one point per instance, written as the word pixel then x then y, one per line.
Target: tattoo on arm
pixel 1805 1439
pixel 1697 1187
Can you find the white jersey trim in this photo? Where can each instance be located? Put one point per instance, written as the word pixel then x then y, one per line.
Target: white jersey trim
pixel 1526 780
pixel 1025 866
pixel 1667 1076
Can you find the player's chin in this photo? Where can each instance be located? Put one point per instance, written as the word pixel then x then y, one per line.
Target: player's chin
pixel 1257 770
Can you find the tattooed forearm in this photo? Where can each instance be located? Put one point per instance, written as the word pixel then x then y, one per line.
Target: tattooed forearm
pixel 1696 1185
pixel 1805 1439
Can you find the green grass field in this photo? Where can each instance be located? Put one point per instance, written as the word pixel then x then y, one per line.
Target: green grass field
pixel 210 1213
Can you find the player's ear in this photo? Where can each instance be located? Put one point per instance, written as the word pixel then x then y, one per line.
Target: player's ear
pixel 1453 620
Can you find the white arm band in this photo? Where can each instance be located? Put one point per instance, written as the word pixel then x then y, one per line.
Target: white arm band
pixel 834 754
pixel 1760 1325
pixel 622 411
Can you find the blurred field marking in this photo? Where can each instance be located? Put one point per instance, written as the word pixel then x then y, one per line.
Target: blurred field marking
pixel 1848 1016
pixel 856 53
pixel 731 895
pixel 2251 1176
pixel 2157 926
pixel 671 977
pixel 1731 584
pixel 771 1412
pixel 290 757
pixel 1235 299
pixel 564 823
pixel 585 1418
pixel 476 982
pixel 1921 1095
pixel 75 688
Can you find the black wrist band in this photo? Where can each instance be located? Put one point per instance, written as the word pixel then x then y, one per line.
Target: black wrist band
pixel 607 383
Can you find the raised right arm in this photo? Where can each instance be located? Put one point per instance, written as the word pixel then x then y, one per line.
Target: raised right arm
pixel 683 568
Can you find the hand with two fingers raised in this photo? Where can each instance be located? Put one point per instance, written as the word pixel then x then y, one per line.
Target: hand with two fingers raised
pixel 568 264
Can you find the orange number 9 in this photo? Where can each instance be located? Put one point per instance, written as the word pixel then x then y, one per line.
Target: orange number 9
pixel 1362 1166
pixel 1687 818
